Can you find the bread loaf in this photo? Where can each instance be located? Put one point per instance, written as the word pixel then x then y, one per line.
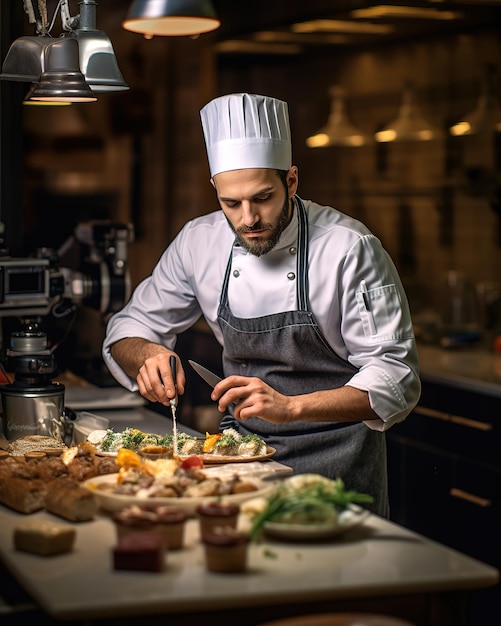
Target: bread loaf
pixel 25 496
pixel 66 498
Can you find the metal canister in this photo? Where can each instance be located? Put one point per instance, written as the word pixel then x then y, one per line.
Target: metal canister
pixel 33 411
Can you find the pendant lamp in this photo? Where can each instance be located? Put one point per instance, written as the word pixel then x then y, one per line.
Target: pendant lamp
pixel 486 117
pixel 338 131
pixel 26 59
pixel 171 17
pixel 410 125
pixel 61 80
pixel 98 62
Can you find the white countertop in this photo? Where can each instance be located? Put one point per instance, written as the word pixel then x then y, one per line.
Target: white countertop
pixel 375 559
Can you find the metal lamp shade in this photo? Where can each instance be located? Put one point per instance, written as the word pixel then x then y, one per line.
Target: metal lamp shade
pixel 409 125
pixel 338 131
pixel 61 86
pixel 62 79
pixel 25 61
pixel 98 62
pixel 486 117
pixel 171 17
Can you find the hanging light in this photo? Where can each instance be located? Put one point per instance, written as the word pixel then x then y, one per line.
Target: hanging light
pixel 486 117
pixel 171 17
pixel 410 125
pixel 338 131
pixel 27 58
pixel 61 80
pixel 98 62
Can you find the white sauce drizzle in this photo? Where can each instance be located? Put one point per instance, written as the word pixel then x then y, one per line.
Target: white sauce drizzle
pixel 174 429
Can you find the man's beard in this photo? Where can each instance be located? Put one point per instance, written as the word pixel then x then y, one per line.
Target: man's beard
pixel 257 246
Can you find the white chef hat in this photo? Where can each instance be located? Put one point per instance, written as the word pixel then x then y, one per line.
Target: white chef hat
pixel 246 131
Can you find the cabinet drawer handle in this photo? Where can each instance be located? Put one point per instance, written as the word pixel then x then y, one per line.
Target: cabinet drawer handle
pixel 455 419
pixel 469 497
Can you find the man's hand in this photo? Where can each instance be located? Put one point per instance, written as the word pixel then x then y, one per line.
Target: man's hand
pixel 148 363
pixel 252 397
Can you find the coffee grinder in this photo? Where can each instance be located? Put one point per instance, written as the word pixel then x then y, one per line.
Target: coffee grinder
pixel 32 404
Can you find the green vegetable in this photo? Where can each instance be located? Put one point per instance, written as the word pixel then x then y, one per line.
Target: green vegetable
pixel 317 501
pixel 168 439
pixel 109 441
pixel 251 437
pixel 226 441
pixel 132 439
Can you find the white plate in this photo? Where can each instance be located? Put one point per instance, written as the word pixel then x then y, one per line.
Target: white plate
pixel 115 502
pixel 352 516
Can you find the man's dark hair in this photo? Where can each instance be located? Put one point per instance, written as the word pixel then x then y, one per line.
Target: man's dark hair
pixel 282 174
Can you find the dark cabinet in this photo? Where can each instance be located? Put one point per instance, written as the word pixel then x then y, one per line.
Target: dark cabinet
pixel 444 467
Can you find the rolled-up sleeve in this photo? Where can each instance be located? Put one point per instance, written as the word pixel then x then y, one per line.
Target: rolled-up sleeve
pixel 377 330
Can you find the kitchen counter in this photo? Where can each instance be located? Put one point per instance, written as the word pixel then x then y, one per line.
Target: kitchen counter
pixel 378 566
pixel 376 560
pixel 475 369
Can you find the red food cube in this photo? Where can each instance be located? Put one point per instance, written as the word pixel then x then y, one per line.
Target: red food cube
pixel 141 551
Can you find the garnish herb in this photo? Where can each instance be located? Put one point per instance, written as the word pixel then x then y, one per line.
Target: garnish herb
pixel 313 503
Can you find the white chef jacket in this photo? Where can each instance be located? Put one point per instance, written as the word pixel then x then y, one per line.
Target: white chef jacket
pixel 372 331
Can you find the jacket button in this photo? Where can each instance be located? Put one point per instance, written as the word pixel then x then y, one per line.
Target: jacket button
pixel 292 250
pixel 291 276
pixel 236 273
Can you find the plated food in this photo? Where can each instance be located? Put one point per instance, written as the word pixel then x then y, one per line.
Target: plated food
pixel 226 447
pixel 109 442
pixel 306 507
pixel 352 515
pixel 168 481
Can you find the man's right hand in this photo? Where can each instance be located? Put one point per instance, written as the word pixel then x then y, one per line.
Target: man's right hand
pixel 149 364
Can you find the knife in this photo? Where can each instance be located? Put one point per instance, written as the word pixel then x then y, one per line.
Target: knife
pixel 209 377
pixel 173 401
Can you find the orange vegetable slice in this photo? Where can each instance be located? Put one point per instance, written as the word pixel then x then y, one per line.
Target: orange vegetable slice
pixel 128 458
pixel 210 440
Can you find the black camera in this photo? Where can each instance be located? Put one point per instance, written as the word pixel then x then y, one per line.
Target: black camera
pixel 28 287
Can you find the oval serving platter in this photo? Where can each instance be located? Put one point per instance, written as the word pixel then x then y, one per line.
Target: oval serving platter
pixel 112 502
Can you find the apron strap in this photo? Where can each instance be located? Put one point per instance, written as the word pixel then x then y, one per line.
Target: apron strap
pixel 302 256
pixel 224 289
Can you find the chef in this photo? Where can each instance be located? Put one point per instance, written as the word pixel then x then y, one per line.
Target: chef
pixel 319 354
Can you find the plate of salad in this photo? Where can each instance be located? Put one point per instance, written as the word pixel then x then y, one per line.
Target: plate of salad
pixel 307 507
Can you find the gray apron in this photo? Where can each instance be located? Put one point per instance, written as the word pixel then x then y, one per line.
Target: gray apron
pixel 289 352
